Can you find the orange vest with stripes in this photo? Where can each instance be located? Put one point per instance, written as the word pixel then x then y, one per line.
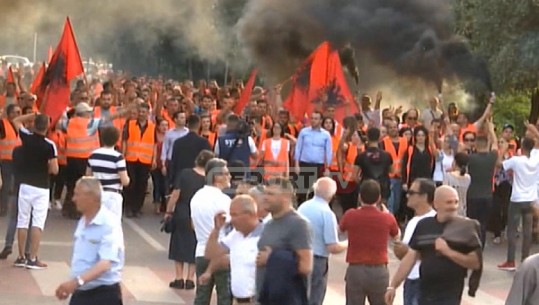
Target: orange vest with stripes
pixel 396 156
pixel 259 141
pixel 117 122
pixel 10 141
pixel 78 143
pixel 139 147
pixel 349 161
pixel 275 167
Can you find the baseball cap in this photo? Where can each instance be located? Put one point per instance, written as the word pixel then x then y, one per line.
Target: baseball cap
pixel 83 108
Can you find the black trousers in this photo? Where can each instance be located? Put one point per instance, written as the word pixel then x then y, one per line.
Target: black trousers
pixel 58 183
pixel 102 295
pixel 135 192
pixel 309 173
pixel 498 219
pixel 75 169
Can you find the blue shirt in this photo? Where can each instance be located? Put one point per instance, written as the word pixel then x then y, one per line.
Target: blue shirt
pixel 102 239
pixel 314 146
pixel 168 143
pixel 323 223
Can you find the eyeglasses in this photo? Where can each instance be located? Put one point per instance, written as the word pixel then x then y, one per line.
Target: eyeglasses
pixel 412 192
pixel 469 140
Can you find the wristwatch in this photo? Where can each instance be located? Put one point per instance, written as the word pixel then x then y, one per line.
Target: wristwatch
pixel 80 281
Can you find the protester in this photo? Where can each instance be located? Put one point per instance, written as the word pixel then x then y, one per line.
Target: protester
pixel 9 139
pixel 459 179
pixel 95 270
pixel 525 288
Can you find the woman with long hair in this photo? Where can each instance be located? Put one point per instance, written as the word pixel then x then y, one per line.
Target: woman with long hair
pixel 158 179
pixel 352 144
pixel 444 160
pixel 206 130
pixel 418 161
pixel 275 153
pixel 183 240
pixel 459 179
pixel 329 125
pixel 502 194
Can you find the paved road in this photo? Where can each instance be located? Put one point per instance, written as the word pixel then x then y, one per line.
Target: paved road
pixel 147 271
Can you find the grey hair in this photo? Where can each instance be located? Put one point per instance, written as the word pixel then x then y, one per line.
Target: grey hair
pixel 325 187
pixel 91 185
pixel 247 203
pixel 214 167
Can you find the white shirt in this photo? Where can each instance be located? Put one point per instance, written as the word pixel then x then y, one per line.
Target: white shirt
pixel 205 204
pixel 243 251
pixel 525 173
pixel 408 232
pixel 276 147
pixel 443 164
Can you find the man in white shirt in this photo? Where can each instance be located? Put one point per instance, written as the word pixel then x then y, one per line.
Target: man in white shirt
pixel 420 199
pixel 431 113
pixel 241 244
pixel 525 170
pixel 205 204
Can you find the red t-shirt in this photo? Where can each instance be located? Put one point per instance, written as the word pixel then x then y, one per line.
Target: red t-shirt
pixel 368 231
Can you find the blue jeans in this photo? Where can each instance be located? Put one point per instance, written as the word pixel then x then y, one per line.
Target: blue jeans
pixel 12 225
pixel 411 292
pixel 319 280
pixel 395 195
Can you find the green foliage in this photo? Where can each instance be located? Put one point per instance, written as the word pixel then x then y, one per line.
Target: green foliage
pixel 506 34
pixel 512 108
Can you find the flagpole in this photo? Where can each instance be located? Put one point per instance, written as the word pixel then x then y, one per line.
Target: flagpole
pixel 35 48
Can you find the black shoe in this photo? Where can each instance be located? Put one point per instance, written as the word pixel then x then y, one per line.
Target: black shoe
pixel 189 285
pixel 177 284
pixel 5 253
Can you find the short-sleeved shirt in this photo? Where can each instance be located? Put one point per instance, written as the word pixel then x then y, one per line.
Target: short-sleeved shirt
pixel 323 223
pixel 36 152
pixel 481 168
pixel 375 164
pixel 368 231
pixel 106 165
pixel 525 176
pixel 101 239
pixel 407 236
pixel 439 275
pixel 243 251
pixel 288 232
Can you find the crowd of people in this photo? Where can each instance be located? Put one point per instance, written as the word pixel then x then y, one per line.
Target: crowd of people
pixel 248 195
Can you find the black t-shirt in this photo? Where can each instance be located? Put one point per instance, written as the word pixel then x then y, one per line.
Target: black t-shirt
pixel 439 275
pixel 32 160
pixel 375 164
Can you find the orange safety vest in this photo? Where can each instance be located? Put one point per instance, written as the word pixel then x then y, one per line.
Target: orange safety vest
pixel 396 156
pixel 8 143
pixel 338 129
pixel 267 122
pixel 117 122
pixel 140 146
pixel 259 141
pixel 58 138
pixel 409 161
pixel 335 140
pixel 292 130
pixel 275 167
pixel 350 159
pixel 211 137
pixel 167 117
pixel 468 128
pixel 78 143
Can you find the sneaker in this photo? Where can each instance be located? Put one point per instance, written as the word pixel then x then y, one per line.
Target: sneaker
pixel 5 253
pixel 35 264
pixel 507 266
pixel 497 240
pixel 20 262
pixel 57 205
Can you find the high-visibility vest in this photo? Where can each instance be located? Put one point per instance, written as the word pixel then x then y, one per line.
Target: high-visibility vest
pixel 292 130
pixel 117 122
pixel 275 167
pixel 8 143
pixel 468 128
pixel 267 122
pixel 259 141
pixel 140 146
pixel 396 156
pixel 211 137
pixel 338 129
pixel 335 140
pixel 78 143
pixel 58 138
pixel 351 154
pixel 409 161
pixel 167 117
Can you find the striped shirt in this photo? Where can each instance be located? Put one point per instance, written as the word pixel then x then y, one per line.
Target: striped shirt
pixel 106 163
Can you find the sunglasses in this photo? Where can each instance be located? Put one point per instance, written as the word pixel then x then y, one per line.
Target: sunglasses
pixel 469 140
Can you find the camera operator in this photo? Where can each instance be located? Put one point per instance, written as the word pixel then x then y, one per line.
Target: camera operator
pixel 236 144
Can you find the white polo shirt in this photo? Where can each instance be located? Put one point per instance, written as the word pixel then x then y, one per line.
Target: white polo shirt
pixel 205 204
pixel 243 251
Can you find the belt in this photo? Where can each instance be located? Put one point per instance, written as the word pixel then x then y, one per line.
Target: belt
pixel 245 300
pixel 97 290
pixel 320 257
pixel 112 190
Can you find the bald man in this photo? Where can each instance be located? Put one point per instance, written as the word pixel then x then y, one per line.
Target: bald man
pixel 241 245
pixel 443 269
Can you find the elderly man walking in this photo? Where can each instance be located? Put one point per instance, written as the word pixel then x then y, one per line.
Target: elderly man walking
pixel 98 251
pixel 325 238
